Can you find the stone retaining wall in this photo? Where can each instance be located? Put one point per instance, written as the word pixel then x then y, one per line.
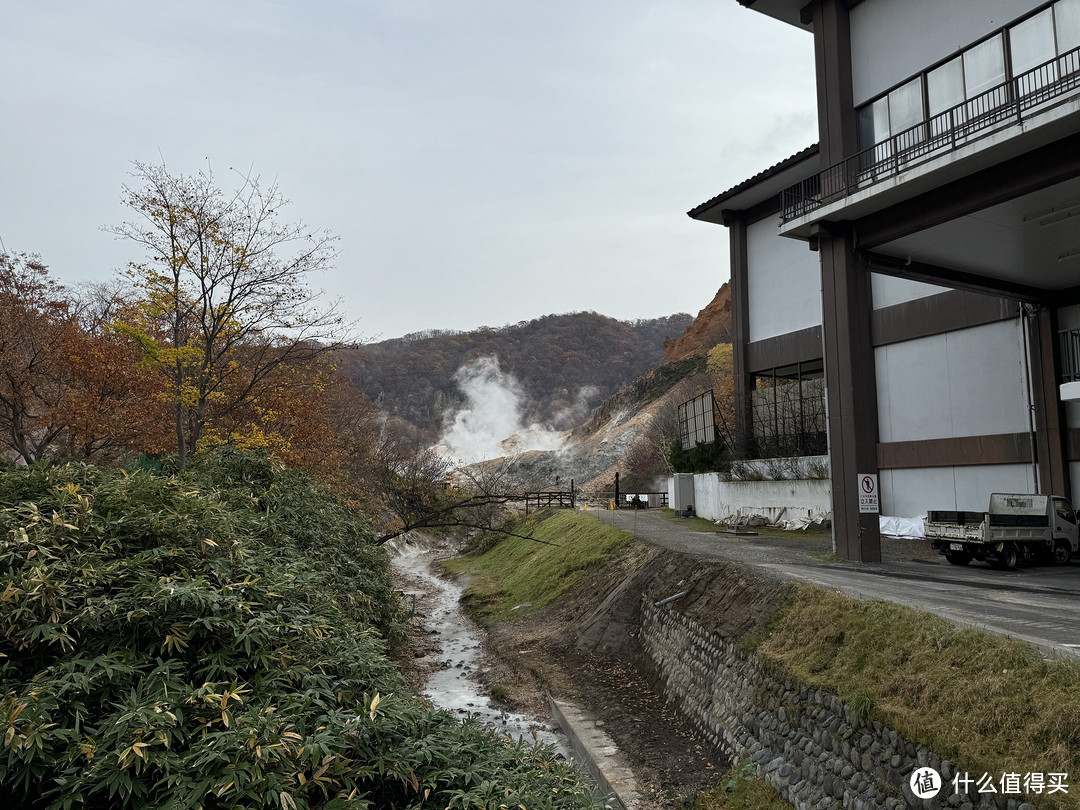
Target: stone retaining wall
pixel 807 743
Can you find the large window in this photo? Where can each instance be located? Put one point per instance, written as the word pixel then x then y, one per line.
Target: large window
pixel 788 415
pixel 976 76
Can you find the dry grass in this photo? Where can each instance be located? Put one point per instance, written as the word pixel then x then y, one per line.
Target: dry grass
pixel 988 703
pixel 517 575
pixel 740 789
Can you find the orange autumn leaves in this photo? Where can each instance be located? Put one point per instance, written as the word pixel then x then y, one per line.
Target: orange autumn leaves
pixel 73 386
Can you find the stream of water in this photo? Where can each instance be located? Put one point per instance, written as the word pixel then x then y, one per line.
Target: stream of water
pixel 455 686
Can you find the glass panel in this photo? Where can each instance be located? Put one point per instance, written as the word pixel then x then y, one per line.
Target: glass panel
pixel 905 111
pixel 945 86
pixel 984 68
pixel 874 130
pixel 1030 44
pixel 866 127
pixel 944 91
pixel 1067 22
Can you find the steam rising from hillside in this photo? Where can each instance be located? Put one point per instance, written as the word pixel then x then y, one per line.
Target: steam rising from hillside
pixel 491 424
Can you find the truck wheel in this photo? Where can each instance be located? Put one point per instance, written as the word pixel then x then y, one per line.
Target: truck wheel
pixel 1062 552
pixel 958 558
pixel 1008 558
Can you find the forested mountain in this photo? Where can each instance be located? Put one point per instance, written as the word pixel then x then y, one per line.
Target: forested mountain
pixel 564 364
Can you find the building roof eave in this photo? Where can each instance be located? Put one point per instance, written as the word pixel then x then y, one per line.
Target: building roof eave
pixel 761 187
pixel 789 11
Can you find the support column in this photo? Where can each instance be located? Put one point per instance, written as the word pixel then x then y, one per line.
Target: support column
pixel 740 337
pixel 1051 429
pixel 837 125
pixel 851 393
pixel 851 386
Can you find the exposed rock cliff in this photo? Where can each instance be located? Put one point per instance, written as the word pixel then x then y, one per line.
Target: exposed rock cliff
pixel 711 326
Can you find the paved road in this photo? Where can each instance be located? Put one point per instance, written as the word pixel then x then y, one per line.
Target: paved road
pixel 1039 604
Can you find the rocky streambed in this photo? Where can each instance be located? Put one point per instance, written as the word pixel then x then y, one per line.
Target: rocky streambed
pixel 450 656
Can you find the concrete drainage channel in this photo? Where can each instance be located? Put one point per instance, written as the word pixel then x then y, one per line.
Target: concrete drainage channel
pixel 594 749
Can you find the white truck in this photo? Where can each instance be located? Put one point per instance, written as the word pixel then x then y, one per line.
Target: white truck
pixel 1032 528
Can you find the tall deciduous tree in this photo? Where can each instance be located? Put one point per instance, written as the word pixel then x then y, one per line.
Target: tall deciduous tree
pixel 111 407
pixel 35 332
pixel 226 299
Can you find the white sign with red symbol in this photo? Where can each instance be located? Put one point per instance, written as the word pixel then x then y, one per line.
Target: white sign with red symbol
pixel 869 503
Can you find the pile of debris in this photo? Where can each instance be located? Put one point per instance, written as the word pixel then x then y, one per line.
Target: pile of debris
pixel 818 521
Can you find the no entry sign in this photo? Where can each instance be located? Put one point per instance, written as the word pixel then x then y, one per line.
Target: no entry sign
pixel 869 502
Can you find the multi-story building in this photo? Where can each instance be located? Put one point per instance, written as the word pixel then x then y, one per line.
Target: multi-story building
pixel 923 258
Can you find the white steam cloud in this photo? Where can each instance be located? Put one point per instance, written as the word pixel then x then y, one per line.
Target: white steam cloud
pixel 491 424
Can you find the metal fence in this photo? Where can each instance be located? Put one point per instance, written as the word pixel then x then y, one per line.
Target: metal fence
pixel 1000 105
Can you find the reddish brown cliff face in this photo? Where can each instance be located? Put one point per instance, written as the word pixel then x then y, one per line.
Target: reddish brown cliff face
pixel 711 326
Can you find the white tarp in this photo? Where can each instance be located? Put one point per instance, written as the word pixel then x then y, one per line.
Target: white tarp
pixel 902 527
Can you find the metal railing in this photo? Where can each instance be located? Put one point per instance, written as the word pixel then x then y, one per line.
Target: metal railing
pixel 1004 104
pixel 1070 355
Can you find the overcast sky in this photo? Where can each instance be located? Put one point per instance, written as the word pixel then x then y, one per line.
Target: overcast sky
pixel 483 161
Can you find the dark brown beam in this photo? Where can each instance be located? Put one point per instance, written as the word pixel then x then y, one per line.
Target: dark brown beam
pixel 958 279
pixel 938 314
pixel 957 451
pixel 784 350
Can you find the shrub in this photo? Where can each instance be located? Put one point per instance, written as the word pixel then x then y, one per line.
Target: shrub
pixel 217 640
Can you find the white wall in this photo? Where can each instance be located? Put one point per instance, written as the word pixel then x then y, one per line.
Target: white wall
pixel 776 500
pixel 910 493
pixel 784 282
pixel 970 382
pixel 890 290
pixel 892 40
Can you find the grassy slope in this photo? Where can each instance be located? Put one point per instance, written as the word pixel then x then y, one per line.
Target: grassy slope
pixel 518 575
pixel 987 703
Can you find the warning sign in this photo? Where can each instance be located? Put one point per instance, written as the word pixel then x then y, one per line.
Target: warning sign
pixel 869 503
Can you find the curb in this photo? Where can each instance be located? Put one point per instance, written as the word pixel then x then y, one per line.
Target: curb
pixel 598 753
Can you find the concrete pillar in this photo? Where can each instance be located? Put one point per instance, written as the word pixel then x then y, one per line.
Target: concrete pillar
pixel 1051 429
pixel 740 337
pixel 851 394
pixel 846 300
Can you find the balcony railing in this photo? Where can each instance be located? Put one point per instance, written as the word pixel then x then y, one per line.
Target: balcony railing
pixel 1004 104
pixel 1070 355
